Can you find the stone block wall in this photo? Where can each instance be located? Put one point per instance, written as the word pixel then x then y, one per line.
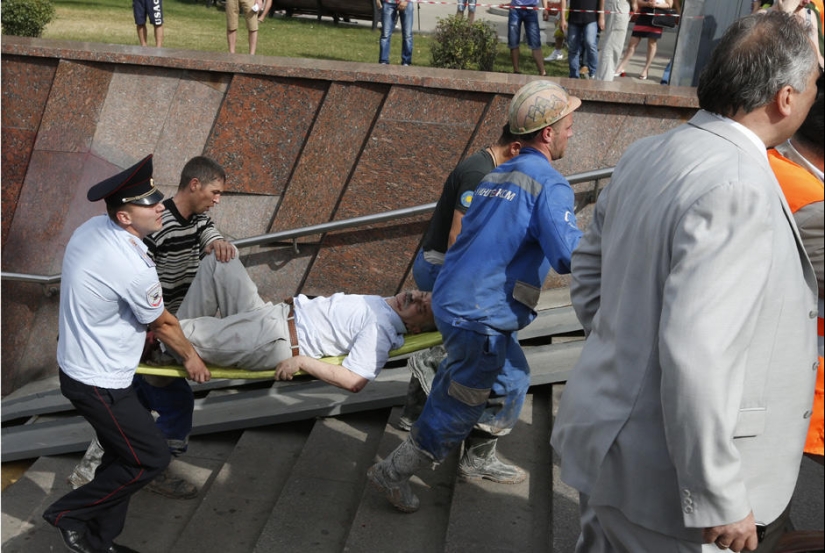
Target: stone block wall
pixel 303 142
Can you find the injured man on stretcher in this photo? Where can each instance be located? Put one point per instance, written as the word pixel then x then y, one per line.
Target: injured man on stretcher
pixel 292 336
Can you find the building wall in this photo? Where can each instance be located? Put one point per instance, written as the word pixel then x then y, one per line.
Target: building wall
pixel 303 142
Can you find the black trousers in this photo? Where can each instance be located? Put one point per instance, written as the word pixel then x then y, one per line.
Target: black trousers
pixel 134 453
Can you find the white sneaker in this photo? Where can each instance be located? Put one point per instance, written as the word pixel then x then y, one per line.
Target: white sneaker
pixel 555 56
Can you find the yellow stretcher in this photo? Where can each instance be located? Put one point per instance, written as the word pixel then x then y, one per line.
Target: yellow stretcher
pixel 412 342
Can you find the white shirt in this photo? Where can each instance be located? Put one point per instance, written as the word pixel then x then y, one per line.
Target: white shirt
pixel 749 134
pixel 364 328
pixel 109 292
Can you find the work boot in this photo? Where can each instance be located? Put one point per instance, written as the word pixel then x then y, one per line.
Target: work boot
pixel 424 364
pixel 171 486
pixel 392 475
pixel 480 461
pixel 85 469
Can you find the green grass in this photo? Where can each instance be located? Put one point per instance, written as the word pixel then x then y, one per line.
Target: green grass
pixel 193 26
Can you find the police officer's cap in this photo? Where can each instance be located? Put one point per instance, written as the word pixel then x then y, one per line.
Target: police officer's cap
pixel 132 186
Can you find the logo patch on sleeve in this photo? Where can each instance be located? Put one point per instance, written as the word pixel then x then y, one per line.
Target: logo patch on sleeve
pixel 154 295
pixel 467 198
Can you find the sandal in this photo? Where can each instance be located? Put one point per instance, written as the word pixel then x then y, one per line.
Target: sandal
pixel 642 77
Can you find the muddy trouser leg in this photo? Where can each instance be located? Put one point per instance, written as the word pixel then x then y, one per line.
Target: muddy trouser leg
pixel 500 415
pixel 463 385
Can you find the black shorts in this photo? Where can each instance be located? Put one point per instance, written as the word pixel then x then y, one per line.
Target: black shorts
pixel 148 9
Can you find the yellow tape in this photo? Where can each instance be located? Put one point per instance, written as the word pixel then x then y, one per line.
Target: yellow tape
pixel 412 342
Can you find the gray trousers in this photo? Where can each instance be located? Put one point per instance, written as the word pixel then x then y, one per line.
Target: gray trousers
pixel 249 334
pixel 612 40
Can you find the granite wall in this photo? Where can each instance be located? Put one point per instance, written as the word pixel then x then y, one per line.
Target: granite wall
pixel 303 142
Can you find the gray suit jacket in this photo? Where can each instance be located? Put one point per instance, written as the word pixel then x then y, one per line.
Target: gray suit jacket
pixel 690 402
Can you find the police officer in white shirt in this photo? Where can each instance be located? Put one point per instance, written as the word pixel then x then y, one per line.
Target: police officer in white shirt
pixel 109 294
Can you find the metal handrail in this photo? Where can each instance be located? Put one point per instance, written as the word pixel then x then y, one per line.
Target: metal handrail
pixel 294 234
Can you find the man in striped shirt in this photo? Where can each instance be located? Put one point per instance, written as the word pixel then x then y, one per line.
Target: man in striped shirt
pixel 188 234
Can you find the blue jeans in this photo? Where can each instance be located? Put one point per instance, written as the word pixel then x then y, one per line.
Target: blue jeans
pixel 666 74
pixel 530 18
pixel 173 404
pixel 424 272
pixel 575 35
pixel 482 382
pixel 389 13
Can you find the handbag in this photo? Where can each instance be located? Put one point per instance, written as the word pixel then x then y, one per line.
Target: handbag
pixel 665 17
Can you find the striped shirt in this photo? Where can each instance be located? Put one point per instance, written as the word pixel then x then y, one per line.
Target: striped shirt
pixel 177 249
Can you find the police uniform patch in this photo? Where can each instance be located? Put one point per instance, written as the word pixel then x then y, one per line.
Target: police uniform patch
pixel 154 295
pixel 467 198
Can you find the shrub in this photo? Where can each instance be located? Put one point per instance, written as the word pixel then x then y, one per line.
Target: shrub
pixel 26 17
pixel 459 45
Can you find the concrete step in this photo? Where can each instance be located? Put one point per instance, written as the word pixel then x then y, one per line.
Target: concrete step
pixel 153 522
pixel 302 485
pixel 23 529
pixel 237 504
pixel 380 527
pixel 490 517
pixel 316 508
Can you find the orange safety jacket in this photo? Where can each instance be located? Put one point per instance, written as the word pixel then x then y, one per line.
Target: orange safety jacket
pixel 801 188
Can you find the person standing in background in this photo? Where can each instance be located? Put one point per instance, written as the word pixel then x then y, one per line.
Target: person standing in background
pixel 234 9
pixel 470 5
pixel 523 12
pixel 391 10
pixel 153 11
pixel 616 21
pixel 582 25
pixel 644 28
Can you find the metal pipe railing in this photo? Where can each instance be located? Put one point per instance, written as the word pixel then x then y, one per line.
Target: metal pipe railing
pixel 294 234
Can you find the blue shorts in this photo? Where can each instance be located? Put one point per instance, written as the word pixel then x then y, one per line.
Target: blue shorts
pixel 148 9
pixel 530 18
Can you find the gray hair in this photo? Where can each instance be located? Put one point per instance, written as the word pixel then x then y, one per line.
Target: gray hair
pixel 757 56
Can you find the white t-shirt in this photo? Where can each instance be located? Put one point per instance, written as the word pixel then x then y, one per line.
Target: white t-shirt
pixel 364 328
pixel 109 292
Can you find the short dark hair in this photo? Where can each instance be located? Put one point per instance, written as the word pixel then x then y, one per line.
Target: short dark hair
pixel 757 56
pixel 202 168
pixel 111 211
pixel 811 133
pixel 506 138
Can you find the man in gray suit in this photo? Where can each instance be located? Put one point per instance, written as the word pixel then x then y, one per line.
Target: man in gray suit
pixel 684 420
